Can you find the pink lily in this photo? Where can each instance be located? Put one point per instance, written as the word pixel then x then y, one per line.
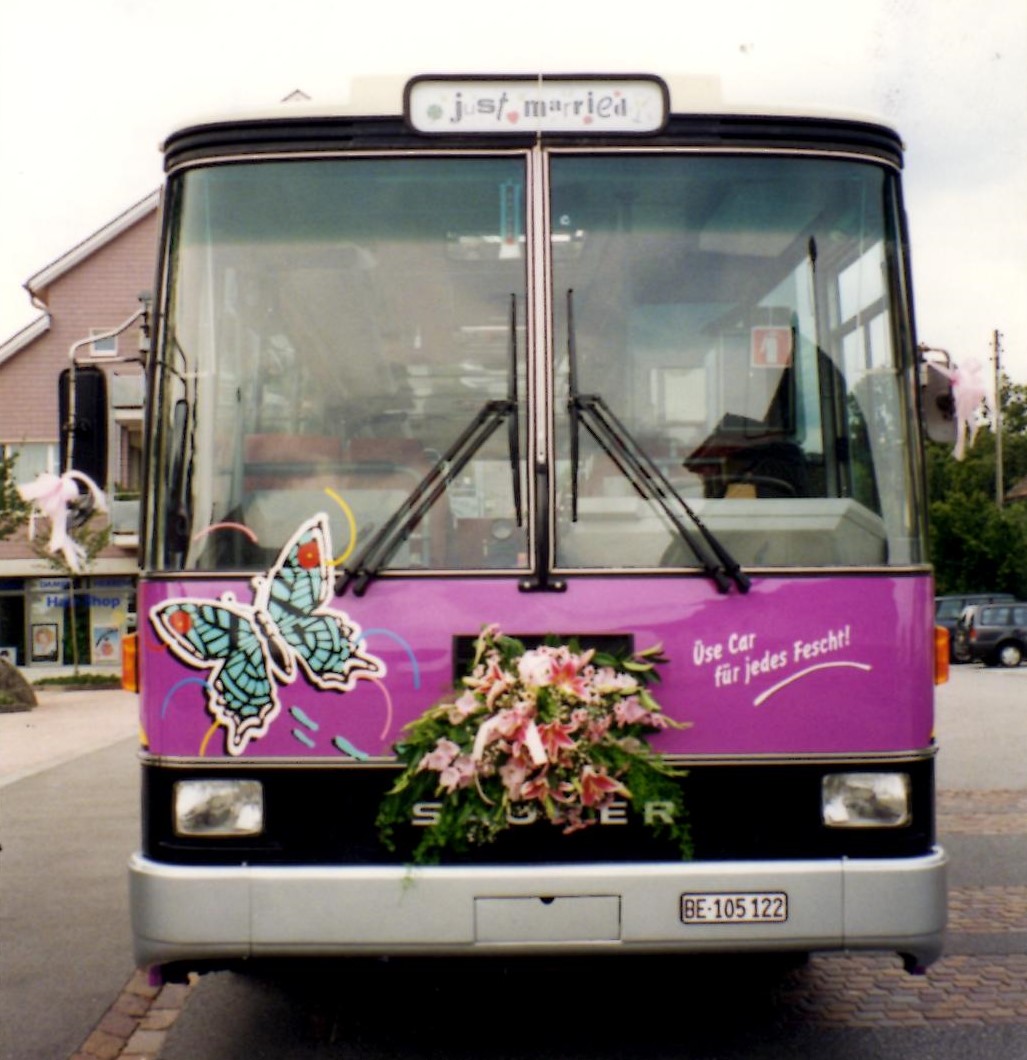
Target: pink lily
pixel 598 728
pixel 458 774
pixel 537 787
pixel 555 738
pixel 629 711
pixel 492 683
pixel 566 677
pixel 514 772
pixel 463 708
pixel 597 785
pixel 441 757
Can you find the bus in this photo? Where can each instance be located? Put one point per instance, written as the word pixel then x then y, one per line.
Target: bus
pixel 533 551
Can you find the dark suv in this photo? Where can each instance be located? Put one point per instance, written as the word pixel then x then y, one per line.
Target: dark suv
pixel 947 610
pixel 997 633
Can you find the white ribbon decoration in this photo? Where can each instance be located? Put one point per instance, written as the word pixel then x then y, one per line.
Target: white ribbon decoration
pixel 50 496
pixel 968 392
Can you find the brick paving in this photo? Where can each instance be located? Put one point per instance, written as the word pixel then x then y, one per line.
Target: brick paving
pixel 833 990
pixel 987 909
pixel 136 1025
pixel 982 812
pixel 872 991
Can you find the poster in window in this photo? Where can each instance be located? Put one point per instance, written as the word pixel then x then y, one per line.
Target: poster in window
pixel 45 642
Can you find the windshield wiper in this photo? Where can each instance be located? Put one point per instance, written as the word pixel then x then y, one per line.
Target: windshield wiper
pixel 641 471
pixel 513 427
pixel 398 527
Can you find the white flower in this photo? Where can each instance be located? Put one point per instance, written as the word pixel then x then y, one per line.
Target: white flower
pixel 535 668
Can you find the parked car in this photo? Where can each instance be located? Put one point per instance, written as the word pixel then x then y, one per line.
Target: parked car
pixel 959 638
pixel 997 633
pixel 948 609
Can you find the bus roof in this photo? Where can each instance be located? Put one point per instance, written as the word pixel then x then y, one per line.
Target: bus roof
pixel 383 97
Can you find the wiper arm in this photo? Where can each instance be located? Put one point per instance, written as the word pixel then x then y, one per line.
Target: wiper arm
pixel 513 423
pixel 572 403
pixel 641 471
pixel 651 483
pixel 397 528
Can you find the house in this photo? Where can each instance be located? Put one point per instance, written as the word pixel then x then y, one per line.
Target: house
pixel 88 291
pixel 1018 491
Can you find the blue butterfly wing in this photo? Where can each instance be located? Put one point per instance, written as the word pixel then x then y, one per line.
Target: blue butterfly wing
pixel 223 637
pixel 324 640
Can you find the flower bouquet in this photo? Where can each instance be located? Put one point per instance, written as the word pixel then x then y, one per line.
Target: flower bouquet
pixel 550 733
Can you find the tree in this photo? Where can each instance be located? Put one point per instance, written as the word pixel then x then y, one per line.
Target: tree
pixel 975 545
pixel 13 510
pixel 1014 408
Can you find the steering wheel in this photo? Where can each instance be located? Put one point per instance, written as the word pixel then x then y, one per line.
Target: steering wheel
pixel 778 487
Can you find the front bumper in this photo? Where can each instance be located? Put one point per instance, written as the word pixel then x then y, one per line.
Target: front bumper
pixel 183 914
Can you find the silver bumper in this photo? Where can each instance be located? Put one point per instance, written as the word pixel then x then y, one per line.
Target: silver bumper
pixel 190 913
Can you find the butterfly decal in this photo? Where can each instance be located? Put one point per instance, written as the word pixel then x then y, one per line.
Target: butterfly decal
pixel 251 648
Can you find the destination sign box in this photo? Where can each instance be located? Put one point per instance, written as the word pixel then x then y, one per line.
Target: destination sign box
pixel 511 105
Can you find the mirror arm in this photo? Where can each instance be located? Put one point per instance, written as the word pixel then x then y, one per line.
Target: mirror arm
pixel 142 313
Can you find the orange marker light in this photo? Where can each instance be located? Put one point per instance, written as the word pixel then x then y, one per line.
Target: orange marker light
pixel 941 655
pixel 130 662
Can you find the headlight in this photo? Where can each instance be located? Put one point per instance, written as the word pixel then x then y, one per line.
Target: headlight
pixel 866 800
pixel 218 807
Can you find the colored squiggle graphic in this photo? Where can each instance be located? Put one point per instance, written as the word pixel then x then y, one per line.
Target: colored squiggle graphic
pixel 308 723
pixel 388 708
pixel 302 718
pixel 350 521
pixel 206 739
pixel 764 696
pixel 175 687
pixel 226 526
pixel 405 645
pixel 342 744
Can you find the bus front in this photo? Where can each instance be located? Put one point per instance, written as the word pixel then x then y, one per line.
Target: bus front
pixel 465 422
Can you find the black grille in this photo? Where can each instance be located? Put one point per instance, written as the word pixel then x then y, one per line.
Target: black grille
pixel 325 816
pixel 620 644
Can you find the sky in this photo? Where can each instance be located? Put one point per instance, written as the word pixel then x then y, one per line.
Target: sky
pixel 89 90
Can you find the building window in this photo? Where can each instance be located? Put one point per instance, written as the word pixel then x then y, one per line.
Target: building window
pixel 103 347
pixel 33 458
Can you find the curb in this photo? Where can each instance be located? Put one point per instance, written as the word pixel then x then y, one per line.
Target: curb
pixel 136 1025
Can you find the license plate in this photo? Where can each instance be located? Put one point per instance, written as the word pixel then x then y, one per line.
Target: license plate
pixel 735 907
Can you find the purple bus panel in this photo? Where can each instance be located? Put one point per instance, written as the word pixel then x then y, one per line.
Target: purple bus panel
pixel 800 665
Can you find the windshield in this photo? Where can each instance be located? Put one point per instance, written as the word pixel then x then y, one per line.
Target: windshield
pixel 334 327
pixel 397 342
pixel 738 317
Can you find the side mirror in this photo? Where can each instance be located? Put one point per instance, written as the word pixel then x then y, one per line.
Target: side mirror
pixel 937 403
pixel 83 429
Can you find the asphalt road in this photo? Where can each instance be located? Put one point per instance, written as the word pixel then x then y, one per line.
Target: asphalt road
pixel 68 822
pixel 69 796
pixel 973 1002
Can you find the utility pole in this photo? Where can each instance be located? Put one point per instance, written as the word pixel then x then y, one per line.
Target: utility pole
pixel 999 493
